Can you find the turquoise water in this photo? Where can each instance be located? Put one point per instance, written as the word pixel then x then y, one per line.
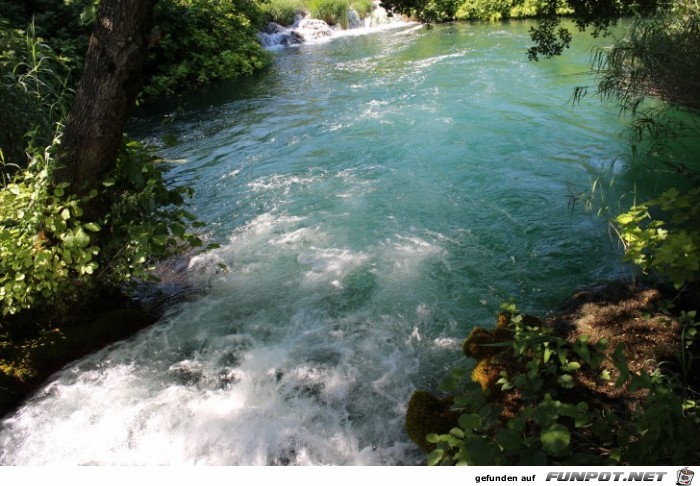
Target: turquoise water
pixel 375 198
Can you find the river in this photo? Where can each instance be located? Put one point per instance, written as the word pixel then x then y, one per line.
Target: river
pixel 375 197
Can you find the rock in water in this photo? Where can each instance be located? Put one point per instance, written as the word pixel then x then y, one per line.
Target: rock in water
pixel 273 34
pixel 311 29
pixel 354 21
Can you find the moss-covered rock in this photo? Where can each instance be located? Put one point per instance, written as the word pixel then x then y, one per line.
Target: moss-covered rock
pixel 486 373
pixel 429 414
pixel 473 346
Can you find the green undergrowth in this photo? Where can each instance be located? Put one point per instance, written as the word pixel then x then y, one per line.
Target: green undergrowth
pixel 52 257
pixel 537 412
pixel 66 279
pixel 662 237
pixel 193 42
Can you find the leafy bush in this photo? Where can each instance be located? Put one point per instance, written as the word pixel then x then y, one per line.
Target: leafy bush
pixel 65 24
pixel 503 9
pixel 146 221
pixel 50 257
pixel 201 41
pixel 553 423
pixel 670 247
pixel 195 42
pixel 46 253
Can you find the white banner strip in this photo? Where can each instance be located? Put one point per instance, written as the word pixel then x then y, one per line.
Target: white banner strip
pixel 350 476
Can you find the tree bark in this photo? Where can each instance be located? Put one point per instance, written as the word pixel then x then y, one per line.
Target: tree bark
pixel 106 93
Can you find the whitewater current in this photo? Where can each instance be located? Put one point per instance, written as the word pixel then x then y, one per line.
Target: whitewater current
pixel 374 198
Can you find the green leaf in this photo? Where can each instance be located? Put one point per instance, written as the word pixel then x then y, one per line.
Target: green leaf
pixel 481 452
pixel 94 227
pixel 81 238
pixel 469 421
pixel 620 362
pixel 566 381
pixel 435 457
pixel 160 240
pixel 555 439
pixel 572 366
pixel 546 412
pixel 509 440
pixel 65 214
pixel 432 438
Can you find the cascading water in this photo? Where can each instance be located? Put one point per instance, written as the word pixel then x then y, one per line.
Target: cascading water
pixel 306 29
pixel 376 197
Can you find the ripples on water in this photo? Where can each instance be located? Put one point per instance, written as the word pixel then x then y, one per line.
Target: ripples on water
pixel 376 198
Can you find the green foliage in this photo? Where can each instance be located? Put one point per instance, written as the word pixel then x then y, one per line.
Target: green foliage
pixel 34 94
pixel 201 41
pixel 46 253
pixel 556 425
pixel 551 39
pixel 497 9
pixel 669 247
pixel 330 11
pixel 194 42
pixel 658 56
pixel 362 7
pixel 283 12
pixel 50 257
pixel 491 10
pixel 146 221
pixel 65 24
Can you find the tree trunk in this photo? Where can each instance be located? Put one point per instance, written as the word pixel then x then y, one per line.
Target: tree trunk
pixel 106 93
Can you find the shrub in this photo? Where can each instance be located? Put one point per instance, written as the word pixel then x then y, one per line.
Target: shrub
pixel 46 253
pixel 484 10
pixel 197 42
pixel 503 9
pixel 50 258
pixel 669 247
